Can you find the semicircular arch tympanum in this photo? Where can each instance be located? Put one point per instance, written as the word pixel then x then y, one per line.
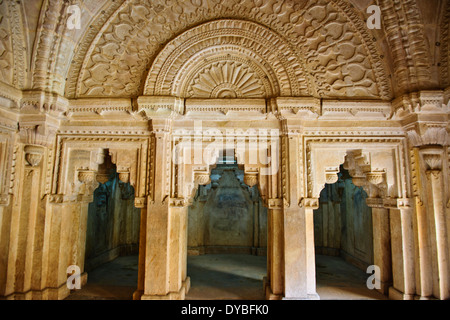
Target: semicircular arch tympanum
pixel 246 49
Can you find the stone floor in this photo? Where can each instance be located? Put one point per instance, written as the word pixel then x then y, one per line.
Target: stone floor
pixel 217 277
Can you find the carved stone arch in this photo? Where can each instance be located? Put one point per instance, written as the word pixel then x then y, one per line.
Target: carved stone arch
pixel 232 54
pixel 115 61
pixel 13 61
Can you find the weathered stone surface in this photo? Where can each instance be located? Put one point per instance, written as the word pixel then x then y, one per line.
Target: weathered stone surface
pixel 290 90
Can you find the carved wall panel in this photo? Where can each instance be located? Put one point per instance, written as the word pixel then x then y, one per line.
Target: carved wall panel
pixel 13 60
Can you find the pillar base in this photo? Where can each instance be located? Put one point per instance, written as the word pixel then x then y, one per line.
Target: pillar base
pixel 268 291
pixel 180 295
pixel 271 296
pixel 309 296
pixel 59 293
pixel 394 294
pixel 425 298
pixel 384 288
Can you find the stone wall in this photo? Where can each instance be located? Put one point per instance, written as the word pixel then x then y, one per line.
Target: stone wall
pixel 113 223
pixel 227 216
pixel 343 223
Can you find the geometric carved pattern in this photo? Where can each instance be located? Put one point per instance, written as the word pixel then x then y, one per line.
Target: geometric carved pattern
pixel 227 80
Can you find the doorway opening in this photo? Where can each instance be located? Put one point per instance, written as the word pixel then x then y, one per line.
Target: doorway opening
pixel 112 240
pixel 227 237
pixel 343 239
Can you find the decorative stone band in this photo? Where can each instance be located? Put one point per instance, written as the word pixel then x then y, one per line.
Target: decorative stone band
pixel 55 198
pixel 309 203
pixel 178 202
pixel 375 202
pixel 398 203
pixel 140 202
pixel 154 106
pixel 275 203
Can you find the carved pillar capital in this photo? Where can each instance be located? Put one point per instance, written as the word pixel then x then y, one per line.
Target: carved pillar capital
pixel 89 183
pixel 33 154
pixel 124 174
pixel 331 175
pixel 140 202
pixel 251 178
pixel 432 156
pixel 375 177
pixel 201 176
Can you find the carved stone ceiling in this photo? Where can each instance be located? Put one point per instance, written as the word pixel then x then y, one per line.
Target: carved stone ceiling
pixel 225 48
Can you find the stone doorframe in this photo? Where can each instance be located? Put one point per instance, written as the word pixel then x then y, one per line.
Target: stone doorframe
pixel 75 178
pixel 380 166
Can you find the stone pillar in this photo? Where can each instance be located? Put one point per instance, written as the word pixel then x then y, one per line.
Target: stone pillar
pixel 165 231
pixel 402 244
pixel 382 245
pixel 165 253
pixel 438 224
pixel 424 281
pixel 65 236
pixel 255 213
pixel 156 283
pixel 142 204
pixel 299 253
pixel 26 229
pixel 179 282
pixel 422 241
pixel 274 283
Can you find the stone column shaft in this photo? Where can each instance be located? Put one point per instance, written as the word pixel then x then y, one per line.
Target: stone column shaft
pixel 402 242
pixel 275 254
pixel 142 250
pixel 440 233
pixel 382 247
pixel 424 281
pixel 299 255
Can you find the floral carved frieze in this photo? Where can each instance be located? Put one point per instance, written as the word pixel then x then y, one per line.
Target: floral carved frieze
pixel 133 36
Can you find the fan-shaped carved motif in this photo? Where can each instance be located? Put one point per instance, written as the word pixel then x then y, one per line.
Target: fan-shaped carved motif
pixel 227 79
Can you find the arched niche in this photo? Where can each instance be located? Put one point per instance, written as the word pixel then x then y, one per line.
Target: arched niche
pixel 377 164
pixel 197 153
